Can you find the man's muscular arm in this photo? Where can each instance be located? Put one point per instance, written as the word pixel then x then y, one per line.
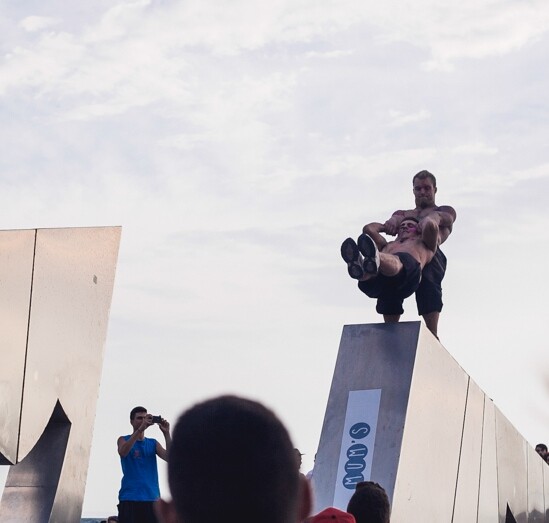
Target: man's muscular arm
pixel 393 223
pixel 430 233
pixel 372 230
pixel 444 216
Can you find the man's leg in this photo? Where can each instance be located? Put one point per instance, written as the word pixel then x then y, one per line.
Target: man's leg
pixel 429 292
pixel 377 262
pixel 391 318
pixel 389 264
pixel 431 320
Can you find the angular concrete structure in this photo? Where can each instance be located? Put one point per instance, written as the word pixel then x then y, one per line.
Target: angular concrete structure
pixel 55 295
pixel 403 413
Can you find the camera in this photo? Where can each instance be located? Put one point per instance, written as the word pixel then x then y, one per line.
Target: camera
pixel 156 419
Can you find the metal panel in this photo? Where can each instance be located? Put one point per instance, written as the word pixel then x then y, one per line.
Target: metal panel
pixel 512 470
pixel 466 499
pixel 536 505
pixel 16 258
pixel 432 436
pixel 42 467
pixel 370 357
pixel 443 451
pixel 488 488
pixel 546 491
pixel 71 295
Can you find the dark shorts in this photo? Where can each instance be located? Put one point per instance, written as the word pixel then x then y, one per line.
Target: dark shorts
pixel 136 512
pixel 429 292
pixel 391 291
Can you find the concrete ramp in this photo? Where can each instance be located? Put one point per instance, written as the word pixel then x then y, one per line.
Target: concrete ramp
pixel 403 413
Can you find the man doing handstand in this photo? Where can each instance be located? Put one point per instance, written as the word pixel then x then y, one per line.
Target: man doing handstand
pixel 391 271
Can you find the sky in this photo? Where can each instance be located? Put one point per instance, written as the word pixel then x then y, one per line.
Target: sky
pixel 237 144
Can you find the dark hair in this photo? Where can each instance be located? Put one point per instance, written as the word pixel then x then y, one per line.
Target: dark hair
pixel 410 219
pixel 231 459
pixel 369 503
pixel 425 174
pixel 541 446
pixel 135 410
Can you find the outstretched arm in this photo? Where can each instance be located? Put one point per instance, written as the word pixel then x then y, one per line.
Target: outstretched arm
pixel 373 230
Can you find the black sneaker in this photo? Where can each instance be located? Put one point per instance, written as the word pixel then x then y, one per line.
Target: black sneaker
pixel 350 254
pixel 368 249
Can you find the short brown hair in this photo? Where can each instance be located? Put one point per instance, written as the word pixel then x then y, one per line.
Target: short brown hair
pixel 425 174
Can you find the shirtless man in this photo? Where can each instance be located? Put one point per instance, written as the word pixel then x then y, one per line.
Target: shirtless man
pixel 429 292
pixel 391 271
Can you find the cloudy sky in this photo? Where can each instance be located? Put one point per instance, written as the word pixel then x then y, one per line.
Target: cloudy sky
pixel 238 143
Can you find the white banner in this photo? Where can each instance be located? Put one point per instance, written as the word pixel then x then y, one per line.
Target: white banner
pixel 357 443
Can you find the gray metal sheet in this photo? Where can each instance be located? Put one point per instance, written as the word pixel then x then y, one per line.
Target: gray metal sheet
pixel 512 470
pixel 488 487
pixel 546 491
pixel 16 258
pixel 71 295
pixel 432 436
pixel 536 504
pixel 379 356
pixel 466 498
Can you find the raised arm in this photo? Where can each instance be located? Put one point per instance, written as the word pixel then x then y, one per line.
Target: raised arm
pixel 373 230
pixel 162 452
pixel 124 446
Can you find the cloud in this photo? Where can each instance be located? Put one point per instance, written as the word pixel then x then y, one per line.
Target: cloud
pixel 474 148
pixel 398 119
pixel 468 30
pixel 36 23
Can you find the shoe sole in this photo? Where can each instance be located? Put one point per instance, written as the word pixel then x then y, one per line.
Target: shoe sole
pixel 350 254
pixel 368 249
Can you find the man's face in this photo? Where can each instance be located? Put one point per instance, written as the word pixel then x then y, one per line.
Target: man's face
pixel 138 419
pixel 424 192
pixel 408 229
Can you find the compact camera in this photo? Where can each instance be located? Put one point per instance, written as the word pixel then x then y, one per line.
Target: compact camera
pixel 156 419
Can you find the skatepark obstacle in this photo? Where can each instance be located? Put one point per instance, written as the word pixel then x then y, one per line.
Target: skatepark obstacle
pixel 403 413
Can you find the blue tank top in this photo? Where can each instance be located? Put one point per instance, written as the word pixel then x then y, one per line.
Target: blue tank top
pixel 140 473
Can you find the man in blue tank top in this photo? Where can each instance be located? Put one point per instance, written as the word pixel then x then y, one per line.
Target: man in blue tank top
pixel 139 488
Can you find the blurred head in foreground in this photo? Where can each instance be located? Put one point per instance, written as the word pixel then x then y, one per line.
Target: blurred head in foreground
pixel 231 459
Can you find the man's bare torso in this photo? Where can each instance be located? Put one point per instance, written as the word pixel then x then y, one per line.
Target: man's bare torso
pixel 414 247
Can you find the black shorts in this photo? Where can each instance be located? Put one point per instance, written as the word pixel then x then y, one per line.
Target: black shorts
pixel 136 512
pixel 391 291
pixel 429 292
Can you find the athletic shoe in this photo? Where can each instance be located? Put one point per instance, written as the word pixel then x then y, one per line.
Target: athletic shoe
pixel 368 249
pixel 351 256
